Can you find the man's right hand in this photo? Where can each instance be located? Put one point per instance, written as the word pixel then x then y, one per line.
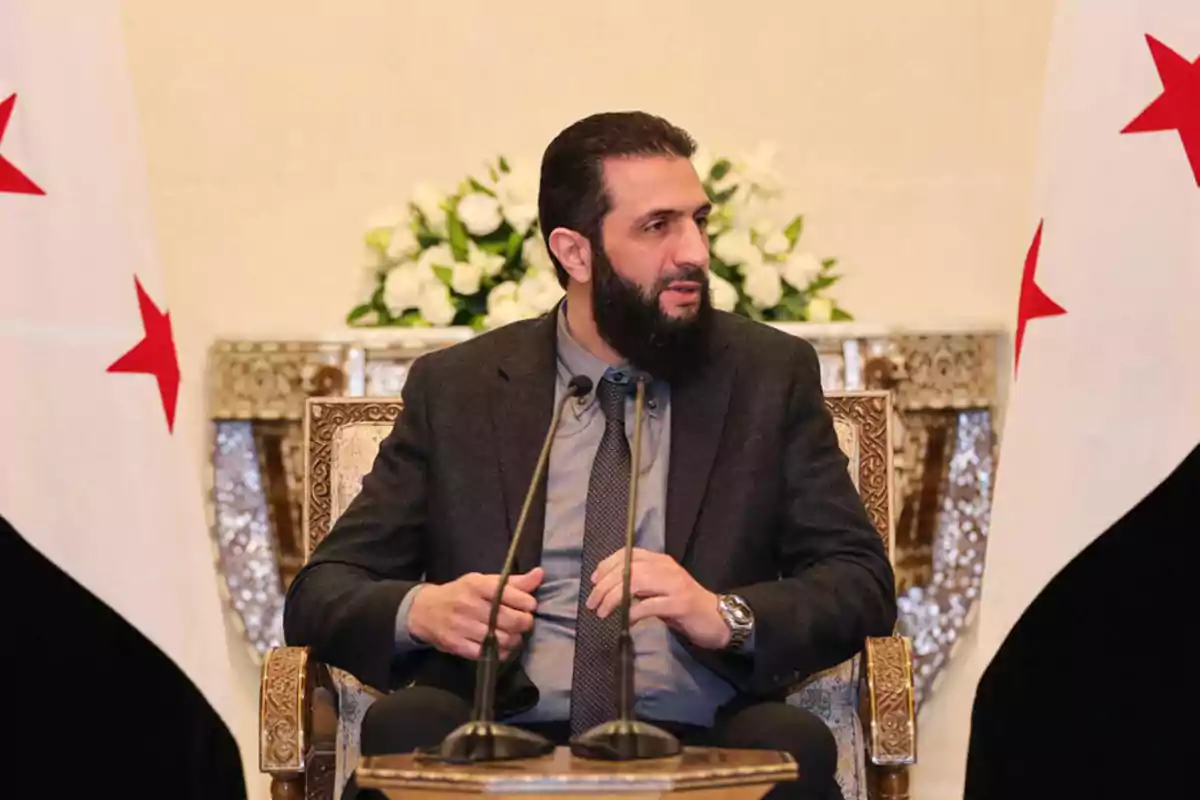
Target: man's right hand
pixel 453 616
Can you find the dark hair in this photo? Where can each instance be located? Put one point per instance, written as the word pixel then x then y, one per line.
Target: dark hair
pixel 572 193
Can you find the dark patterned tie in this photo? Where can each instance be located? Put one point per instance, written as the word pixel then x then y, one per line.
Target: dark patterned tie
pixel 593 683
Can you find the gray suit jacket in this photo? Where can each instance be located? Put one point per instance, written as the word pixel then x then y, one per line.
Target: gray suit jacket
pixel 759 502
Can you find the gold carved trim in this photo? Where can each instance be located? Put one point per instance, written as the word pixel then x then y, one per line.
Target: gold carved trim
pixel 891 717
pixel 283 701
pixel 871 413
pixel 323 417
pixel 696 768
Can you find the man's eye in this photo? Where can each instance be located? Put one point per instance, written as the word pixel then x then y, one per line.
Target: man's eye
pixel 656 225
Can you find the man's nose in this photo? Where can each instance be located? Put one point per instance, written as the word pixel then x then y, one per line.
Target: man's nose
pixel 693 246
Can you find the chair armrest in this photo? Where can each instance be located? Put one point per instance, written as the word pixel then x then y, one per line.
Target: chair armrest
pixel 887 700
pixel 297 712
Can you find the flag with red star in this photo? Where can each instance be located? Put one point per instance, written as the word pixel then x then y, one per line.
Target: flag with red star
pixel 112 611
pixel 1085 585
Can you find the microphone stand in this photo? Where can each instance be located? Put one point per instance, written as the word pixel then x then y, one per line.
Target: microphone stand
pixel 625 738
pixel 482 738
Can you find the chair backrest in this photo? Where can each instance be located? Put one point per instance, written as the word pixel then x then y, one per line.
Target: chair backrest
pixel 342 437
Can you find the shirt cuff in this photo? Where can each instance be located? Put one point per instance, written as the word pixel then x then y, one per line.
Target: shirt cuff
pixel 405 641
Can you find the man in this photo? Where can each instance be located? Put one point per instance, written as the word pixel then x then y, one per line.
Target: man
pixel 756 563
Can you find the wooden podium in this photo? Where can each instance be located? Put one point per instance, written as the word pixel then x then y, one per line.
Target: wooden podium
pixel 698 772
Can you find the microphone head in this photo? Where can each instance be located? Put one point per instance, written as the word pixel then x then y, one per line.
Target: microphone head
pixel 579 386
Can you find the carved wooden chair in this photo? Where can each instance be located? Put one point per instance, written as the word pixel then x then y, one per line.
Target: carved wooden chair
pixel 310 714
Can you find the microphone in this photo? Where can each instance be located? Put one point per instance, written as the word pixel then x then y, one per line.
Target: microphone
pixel 625 738
pixel 482 738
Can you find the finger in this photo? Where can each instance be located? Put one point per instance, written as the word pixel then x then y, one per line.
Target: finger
pixel 528 581
pixel 519 599
pixel 617 561
pixel 661 607
pixel 642 583
pixel 507 641
pixel 469 628
pixel 514 621
pixel 456 645
pixel 484 588
pixel 471 606
pixel 608 582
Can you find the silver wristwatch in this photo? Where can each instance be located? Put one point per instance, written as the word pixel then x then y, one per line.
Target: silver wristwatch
pixel 738 617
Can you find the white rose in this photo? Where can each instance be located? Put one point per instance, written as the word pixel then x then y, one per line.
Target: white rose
pixel 758 170
pixel 466 278
pixel 517 192
pixel 800 269
pixel 506 312
pixel 735 247
pixel 535 255
pixel 480 213
pixel 440 255
pixel 776 244
pixel 763 287
pixel 402 288
pixel 819 309
pixel 489 264
pixel 435 304
pixel 539 291
pixel 724 295
pixel 428 199
pixel 502 293
pixel 403 241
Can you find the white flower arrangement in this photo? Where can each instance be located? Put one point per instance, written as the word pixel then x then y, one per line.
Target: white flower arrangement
pixel 475 256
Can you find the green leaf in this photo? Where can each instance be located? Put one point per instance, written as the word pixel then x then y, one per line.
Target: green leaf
pixel 444 274
pixel 721 269
pixel 840 315
pixel 379 238
pixel 458 236
pixel 792 231
pixel 515 241
pixel 828 263
pixel 721 198
pixel 823 282
pixel 504 165
pixel 412 319
pixel 720 169
pixel 359 312
pixel 498 248
pixel 479 187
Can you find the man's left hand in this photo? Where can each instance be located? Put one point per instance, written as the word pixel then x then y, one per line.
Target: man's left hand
pixel 661 588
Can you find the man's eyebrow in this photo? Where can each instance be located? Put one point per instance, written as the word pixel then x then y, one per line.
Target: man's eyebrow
pixel 672 213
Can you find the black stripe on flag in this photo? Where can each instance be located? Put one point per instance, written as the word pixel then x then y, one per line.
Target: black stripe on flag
pixel 91 706
pixel 1086 696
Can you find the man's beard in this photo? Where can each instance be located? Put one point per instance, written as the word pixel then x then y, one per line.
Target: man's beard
pixel 633 323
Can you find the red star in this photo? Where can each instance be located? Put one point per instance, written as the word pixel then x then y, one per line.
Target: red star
pixel 12 179
pixel 1034 303
pixel 155 354
pixel 1178 107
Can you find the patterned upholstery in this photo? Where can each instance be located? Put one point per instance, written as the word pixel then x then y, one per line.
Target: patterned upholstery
pixel 353 442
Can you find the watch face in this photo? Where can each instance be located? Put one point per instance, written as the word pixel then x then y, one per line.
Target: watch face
pixel 738 610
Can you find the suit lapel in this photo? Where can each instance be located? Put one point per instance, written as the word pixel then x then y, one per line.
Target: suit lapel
pixel 521 406
pixel 698 410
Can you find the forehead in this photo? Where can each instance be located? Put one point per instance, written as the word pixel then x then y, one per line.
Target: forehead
pixel 637 184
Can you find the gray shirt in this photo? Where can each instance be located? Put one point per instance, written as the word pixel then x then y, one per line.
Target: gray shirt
pixel 668 682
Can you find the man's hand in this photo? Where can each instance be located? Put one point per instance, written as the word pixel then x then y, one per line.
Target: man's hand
pixel 453 617
pixel 661 588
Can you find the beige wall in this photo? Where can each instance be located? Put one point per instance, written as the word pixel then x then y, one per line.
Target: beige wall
pixel 273 129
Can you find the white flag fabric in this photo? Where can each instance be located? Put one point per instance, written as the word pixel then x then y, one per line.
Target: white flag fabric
pixel 1106 400
pixel 1104 422
pixel 93 477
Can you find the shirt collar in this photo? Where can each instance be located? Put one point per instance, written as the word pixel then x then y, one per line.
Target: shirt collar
pixel 574 359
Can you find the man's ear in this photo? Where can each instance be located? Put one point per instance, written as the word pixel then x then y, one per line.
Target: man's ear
pixel 574 252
